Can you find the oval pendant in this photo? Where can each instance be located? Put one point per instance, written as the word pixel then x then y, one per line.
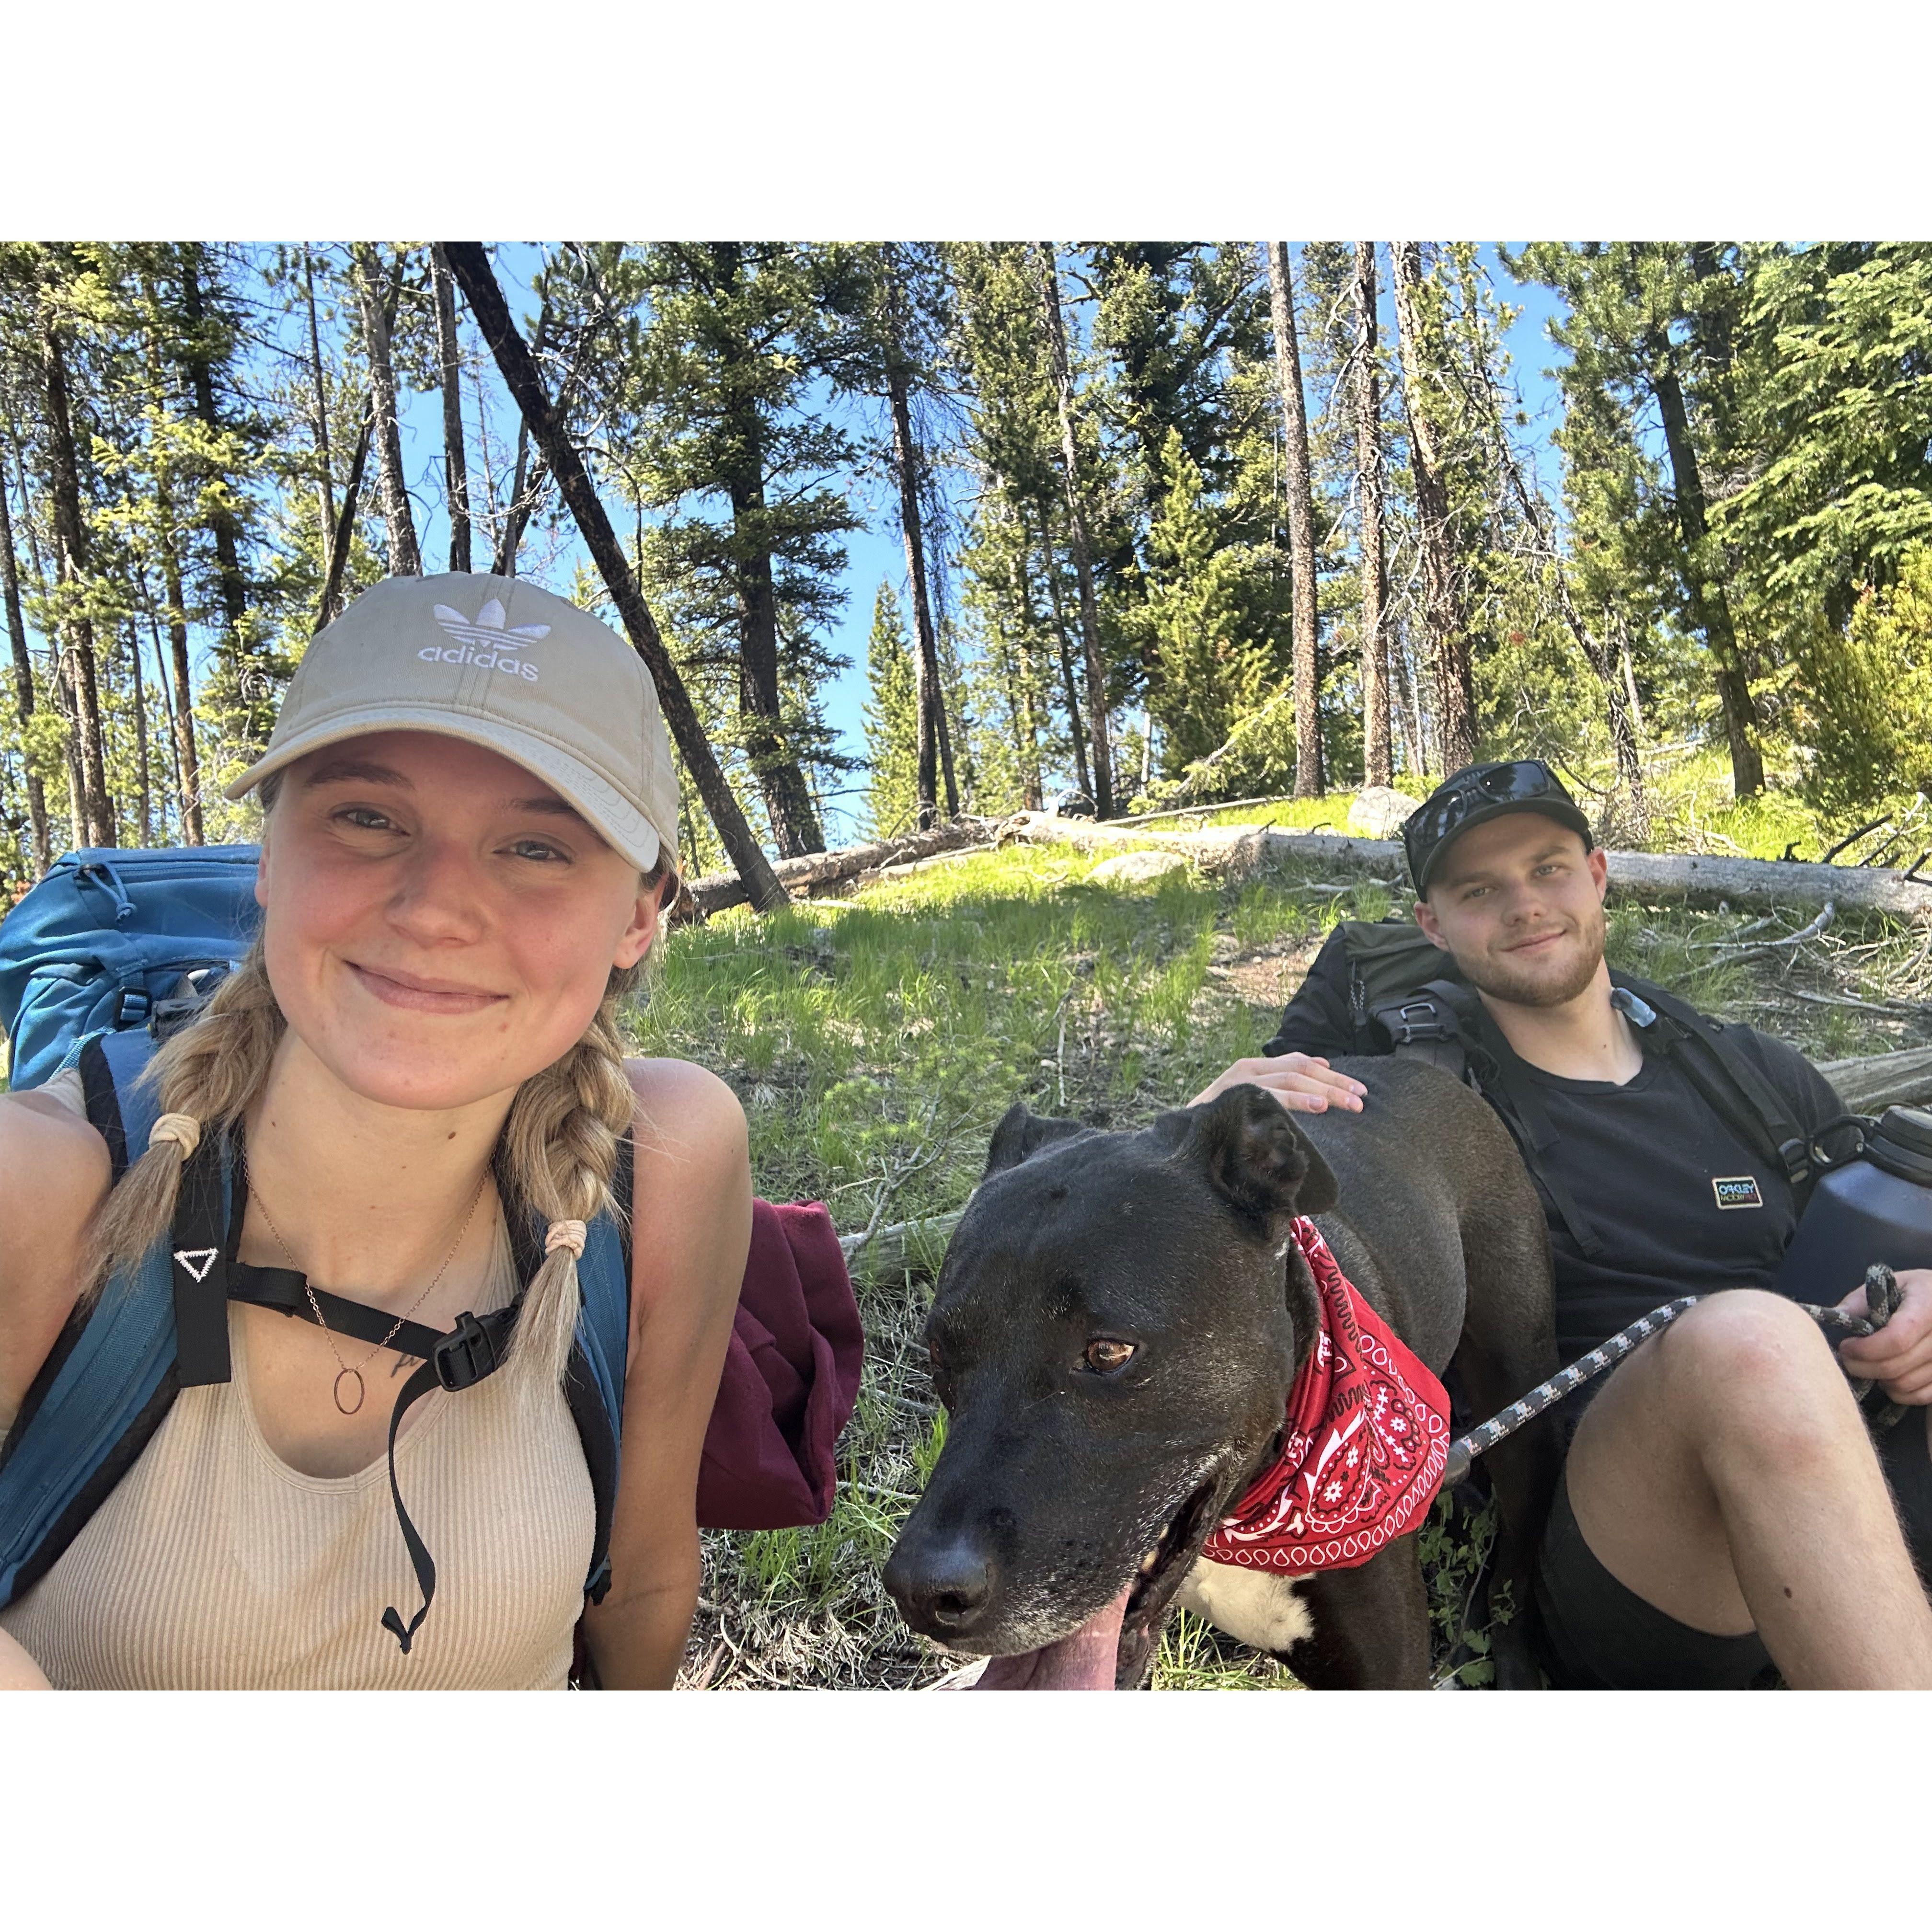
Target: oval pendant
pixel 356 1376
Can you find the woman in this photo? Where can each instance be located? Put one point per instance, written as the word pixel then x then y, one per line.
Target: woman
pixel 469 836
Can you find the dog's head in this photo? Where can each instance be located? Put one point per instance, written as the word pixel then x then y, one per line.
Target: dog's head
pixel 1117 1323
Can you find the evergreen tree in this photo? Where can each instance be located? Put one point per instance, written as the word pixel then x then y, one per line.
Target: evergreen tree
pixel 892 723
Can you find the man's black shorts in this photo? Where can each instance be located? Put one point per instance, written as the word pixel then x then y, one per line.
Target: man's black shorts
pixel 1598 1635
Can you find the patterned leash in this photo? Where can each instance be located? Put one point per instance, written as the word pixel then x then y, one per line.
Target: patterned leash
pixel 1882 1300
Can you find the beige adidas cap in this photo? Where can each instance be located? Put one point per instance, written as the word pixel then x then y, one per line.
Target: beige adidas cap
pixel 503 664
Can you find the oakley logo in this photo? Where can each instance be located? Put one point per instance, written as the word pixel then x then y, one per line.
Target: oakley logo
pixel 487 642
pixel 1737 1190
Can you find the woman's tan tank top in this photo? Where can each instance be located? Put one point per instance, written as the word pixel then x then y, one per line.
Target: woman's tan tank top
pixel 213 1565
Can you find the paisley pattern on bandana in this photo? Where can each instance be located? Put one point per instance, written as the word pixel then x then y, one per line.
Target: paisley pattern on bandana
pixel 1367 1438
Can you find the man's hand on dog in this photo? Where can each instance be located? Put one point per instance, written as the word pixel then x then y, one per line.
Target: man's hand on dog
pixel 1899 1357
pixel 1300 1081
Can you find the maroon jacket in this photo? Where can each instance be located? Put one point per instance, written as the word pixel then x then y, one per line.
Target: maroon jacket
pixel 791 1377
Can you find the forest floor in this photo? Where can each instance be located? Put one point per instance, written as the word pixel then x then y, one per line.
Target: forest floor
pixel 874 1040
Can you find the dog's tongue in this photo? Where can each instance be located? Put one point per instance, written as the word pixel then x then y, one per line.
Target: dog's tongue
pixel 1083 1661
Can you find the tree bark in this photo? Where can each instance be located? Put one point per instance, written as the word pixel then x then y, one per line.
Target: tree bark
pixel 1442 610
pixel 187 761
pixel 788 803
pixel 1367 387
pixel 926 684
pixel 471 267
pixel 1710 606
pixel 405 554
pixel 23 685
pixel 455 464
pixel 1097 734
pixel 1309 779
pixel 1026 719
pixel 221 526
pixel 70 562
pixel 325 473
pixel 145 794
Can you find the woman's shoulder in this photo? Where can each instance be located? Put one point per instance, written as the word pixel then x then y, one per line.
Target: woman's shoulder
pixel 51 1159
pixel 54 1173
pixel 686 1107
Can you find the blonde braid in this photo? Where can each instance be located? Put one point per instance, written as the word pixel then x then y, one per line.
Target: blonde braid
pixel 211 1072
pixel 560 1147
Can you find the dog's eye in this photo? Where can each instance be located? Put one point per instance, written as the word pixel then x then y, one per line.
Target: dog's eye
pixel 1108 1357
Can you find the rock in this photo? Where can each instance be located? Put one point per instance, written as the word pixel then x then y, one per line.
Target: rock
pixel 1137 868
pixel 1379 811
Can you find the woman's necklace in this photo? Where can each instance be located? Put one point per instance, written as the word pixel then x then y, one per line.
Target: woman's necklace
pixel 345 1372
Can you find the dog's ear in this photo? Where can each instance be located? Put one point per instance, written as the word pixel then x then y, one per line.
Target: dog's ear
pixel 1260 1159
pixel 1021 1134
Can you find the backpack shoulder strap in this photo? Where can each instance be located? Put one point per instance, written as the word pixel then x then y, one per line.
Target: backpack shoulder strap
pixel 1728 1079
pixel 594 1382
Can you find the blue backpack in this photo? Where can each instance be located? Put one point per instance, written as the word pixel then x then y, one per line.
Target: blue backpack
pixel 109 954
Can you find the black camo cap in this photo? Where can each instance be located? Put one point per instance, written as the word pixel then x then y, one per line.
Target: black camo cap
pixel 1476 794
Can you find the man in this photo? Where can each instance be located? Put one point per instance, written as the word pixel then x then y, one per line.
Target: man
pixel 1722 1505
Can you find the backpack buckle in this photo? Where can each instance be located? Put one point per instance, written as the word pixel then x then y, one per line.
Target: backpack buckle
pixel 463 1357
pixel 1414 1021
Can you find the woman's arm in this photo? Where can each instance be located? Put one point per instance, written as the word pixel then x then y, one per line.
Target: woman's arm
pixel 53 1176
pixel 691 1227
pixel 18 1671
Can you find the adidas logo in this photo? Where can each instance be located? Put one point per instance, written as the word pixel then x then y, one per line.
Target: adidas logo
pixel 485 641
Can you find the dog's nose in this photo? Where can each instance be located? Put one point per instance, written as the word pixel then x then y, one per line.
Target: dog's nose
pixel 941 1589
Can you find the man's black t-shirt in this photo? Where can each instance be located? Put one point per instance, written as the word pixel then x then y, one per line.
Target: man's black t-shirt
pixel 1642 1162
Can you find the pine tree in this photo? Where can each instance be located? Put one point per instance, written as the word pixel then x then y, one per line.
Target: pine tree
pixel 892 799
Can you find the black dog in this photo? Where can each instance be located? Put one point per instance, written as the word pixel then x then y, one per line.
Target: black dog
pixel 1116 1326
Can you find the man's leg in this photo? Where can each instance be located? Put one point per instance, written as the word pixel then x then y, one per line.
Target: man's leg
pixel 1724 1475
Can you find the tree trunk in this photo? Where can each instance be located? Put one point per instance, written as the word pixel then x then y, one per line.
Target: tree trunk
pixel 788 803
pixel 221 522
pixel 330 607
pixel 1072 696
pixel 1367 386
pixel 455 465
pixel 23 685
pixel 1083 546
pixel 187 767
pixel 1309 779
pixel 1710 606
pixel 1442 614
pixel 471 267
pixel 926 684
pixel 325 479
pixel 145 780
pixel 405 555
pixel 71 561
pixel 1026 721
pixel 173 737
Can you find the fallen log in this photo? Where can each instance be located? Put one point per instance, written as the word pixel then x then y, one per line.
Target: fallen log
pixel 1874 1081
pixel 1697 877
pixel 816 870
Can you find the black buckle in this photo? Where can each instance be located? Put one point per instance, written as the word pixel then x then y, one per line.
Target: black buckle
pixel 463 1357
pixel 1405 1031
pixel 1796 1155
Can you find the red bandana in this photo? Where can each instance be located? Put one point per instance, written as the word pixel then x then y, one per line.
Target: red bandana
pixel 1368 1434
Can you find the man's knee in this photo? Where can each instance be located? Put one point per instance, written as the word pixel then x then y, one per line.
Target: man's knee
pixel 1752 1372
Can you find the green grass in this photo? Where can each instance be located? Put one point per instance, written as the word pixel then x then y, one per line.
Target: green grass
pixel 874 1040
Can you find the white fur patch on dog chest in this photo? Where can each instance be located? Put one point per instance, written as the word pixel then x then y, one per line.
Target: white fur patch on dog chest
pixel 1260 1608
